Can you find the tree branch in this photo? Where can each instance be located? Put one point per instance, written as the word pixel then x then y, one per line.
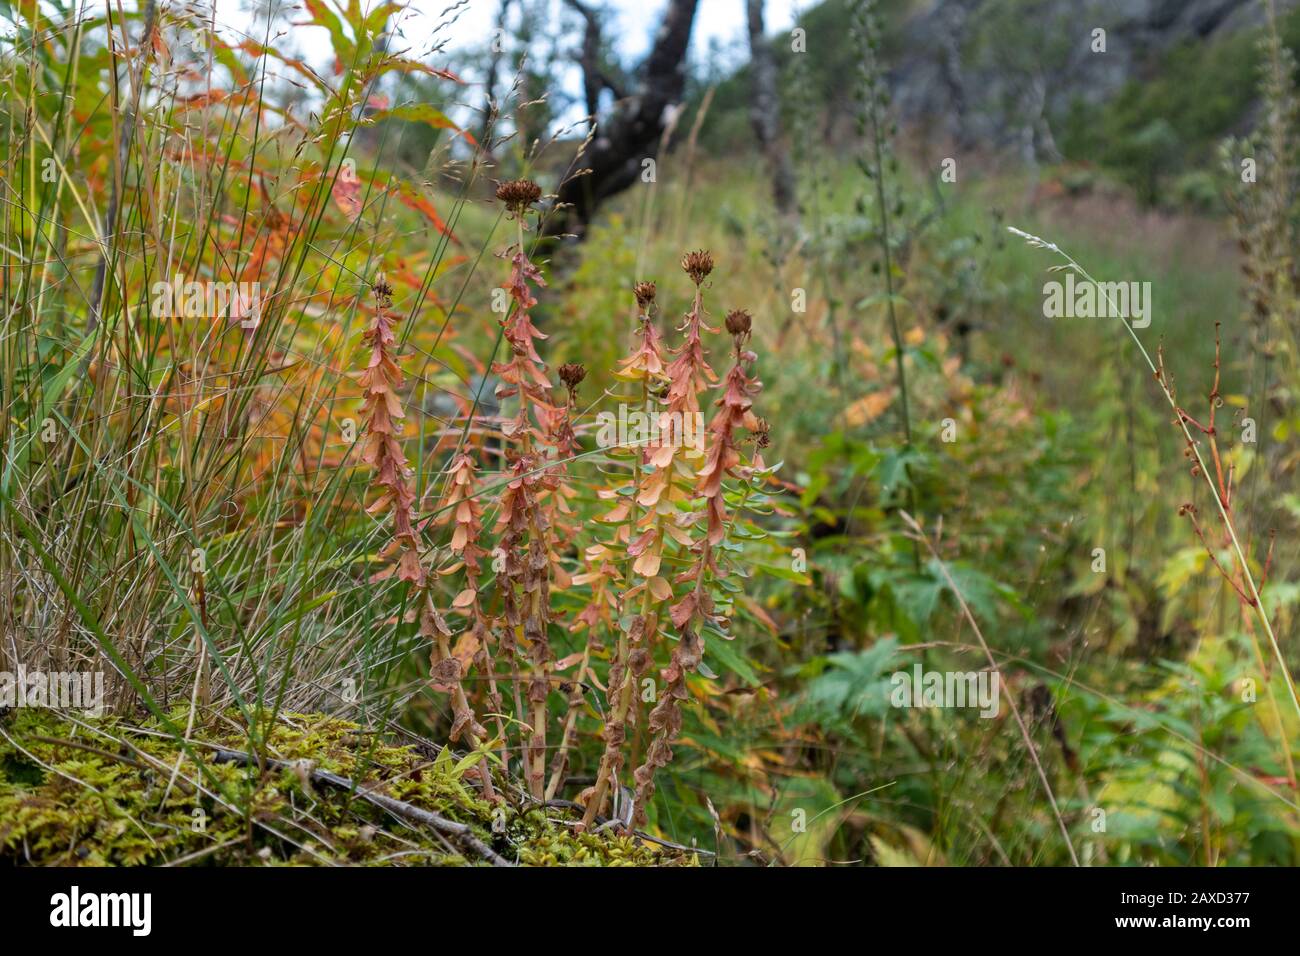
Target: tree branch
pixel 633 132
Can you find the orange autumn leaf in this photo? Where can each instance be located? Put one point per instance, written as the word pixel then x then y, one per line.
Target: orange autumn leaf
pixel 647 565
pixel 412 199
pixel 347 191
pixel 660 588
pixel 868 408
pixel 564 663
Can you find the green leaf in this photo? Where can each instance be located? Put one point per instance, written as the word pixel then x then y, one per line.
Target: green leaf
pixel 724 652
pixel 417 113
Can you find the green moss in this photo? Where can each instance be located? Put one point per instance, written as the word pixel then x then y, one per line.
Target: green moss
pixel 101 797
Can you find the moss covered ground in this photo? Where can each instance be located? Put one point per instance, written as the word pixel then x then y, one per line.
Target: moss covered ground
pixel 111 792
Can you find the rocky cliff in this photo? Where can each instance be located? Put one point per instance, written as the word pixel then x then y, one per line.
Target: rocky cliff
pixel 998 71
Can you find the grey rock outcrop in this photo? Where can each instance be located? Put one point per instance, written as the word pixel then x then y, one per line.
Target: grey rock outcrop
pixel 995 71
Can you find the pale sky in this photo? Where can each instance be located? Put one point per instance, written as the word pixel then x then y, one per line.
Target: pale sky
pixel 630 25
pixel 435 30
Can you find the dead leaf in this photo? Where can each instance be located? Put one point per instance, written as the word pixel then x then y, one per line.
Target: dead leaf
pixel 868 408
pixel 347 191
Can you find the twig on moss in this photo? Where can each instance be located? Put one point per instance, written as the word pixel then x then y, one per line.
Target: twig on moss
pixel 460 833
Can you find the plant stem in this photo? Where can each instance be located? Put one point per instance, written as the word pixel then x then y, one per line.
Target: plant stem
pixel 1253 595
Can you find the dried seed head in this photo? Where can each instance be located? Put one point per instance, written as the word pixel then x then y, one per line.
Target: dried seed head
pixel 762 433
pixel 519 194
pixel 645 295
pixel 698 265
pixel 383 292
pixel 572 374
pixel 739 322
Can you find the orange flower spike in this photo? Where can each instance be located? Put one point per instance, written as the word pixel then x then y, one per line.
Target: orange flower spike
pixel 646 362
pixel 382 413
pixel 665 720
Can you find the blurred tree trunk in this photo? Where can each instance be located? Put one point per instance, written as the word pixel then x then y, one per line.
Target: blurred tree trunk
pixel 764 112
pixel 631 133
pixel 589 59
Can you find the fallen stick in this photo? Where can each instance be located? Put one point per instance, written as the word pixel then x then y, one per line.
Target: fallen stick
pixel 459 833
